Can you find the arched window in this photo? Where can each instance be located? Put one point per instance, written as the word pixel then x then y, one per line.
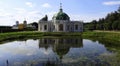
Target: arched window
pixel 76 27
pixel 45 27
pixel 61 27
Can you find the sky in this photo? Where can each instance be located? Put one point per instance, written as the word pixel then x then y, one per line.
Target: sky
pixel 33 10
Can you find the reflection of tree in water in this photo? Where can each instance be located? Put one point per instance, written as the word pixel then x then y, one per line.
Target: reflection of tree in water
pixel 113 47
pixel 113 58
pixel 106 43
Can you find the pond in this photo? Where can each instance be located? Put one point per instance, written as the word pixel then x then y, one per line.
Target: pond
pixel 57 52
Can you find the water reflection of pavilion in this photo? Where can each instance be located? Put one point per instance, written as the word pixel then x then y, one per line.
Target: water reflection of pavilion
pixel 60 46
pixel 65 42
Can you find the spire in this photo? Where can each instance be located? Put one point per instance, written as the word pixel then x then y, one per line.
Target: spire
pixel 60 5
pixel 61 10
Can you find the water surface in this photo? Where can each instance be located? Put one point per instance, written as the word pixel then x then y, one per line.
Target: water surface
pixel 56 52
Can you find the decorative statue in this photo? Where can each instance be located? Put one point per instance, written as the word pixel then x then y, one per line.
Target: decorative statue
pixel 44 18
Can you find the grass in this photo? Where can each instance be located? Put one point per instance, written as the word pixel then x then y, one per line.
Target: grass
pixel 34 34
pixel 108 38
pixel 107 35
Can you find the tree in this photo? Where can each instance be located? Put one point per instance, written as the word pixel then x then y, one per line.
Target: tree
pixel 110 22
pixel 94 24
pixel 35 24
pixel 115 25
pixel 118 9
pixel 118 25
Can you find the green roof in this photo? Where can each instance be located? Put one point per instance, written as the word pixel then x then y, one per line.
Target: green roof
pixel 61 16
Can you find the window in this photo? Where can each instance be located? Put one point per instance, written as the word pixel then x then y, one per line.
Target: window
pixel 76 27
pixel 61 27
pixel 45 27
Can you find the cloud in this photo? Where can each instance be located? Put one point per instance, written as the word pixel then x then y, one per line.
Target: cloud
pixel 35 12
pixel 29 4
pixel 46 5
pixel 30 16
pixel 86 17
pixel 111 3
pixel 4 14
pixel 9 18
pixel 2 10
pixel 6 21
pixel 20 10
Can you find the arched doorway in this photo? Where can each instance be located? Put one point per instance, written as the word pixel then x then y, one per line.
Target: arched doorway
pixel 76 27
pixel 61 27
pixel 45 27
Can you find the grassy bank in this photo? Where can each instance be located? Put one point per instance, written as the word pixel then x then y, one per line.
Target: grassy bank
pixel 101 35
pixel 107 35
pixel 33 34
pixel 108 38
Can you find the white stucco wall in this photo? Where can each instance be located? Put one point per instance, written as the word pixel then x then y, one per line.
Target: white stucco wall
pixel 53 26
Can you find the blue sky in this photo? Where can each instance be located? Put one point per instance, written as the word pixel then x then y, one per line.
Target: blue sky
pixel 34 10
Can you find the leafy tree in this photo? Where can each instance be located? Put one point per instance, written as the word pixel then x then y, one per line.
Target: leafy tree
pixel 35 24
pixel 110 22
pixel 115 25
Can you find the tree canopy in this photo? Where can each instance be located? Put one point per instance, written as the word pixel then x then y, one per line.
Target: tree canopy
pixel 110 22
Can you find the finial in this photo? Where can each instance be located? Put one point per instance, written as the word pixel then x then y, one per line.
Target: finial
pixel 60 5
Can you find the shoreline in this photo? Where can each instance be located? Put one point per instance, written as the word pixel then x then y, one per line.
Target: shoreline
pixel 113 36
pixel 36 34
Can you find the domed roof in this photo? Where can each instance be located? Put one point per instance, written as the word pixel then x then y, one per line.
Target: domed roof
pixel 61 50
pixel 61 15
